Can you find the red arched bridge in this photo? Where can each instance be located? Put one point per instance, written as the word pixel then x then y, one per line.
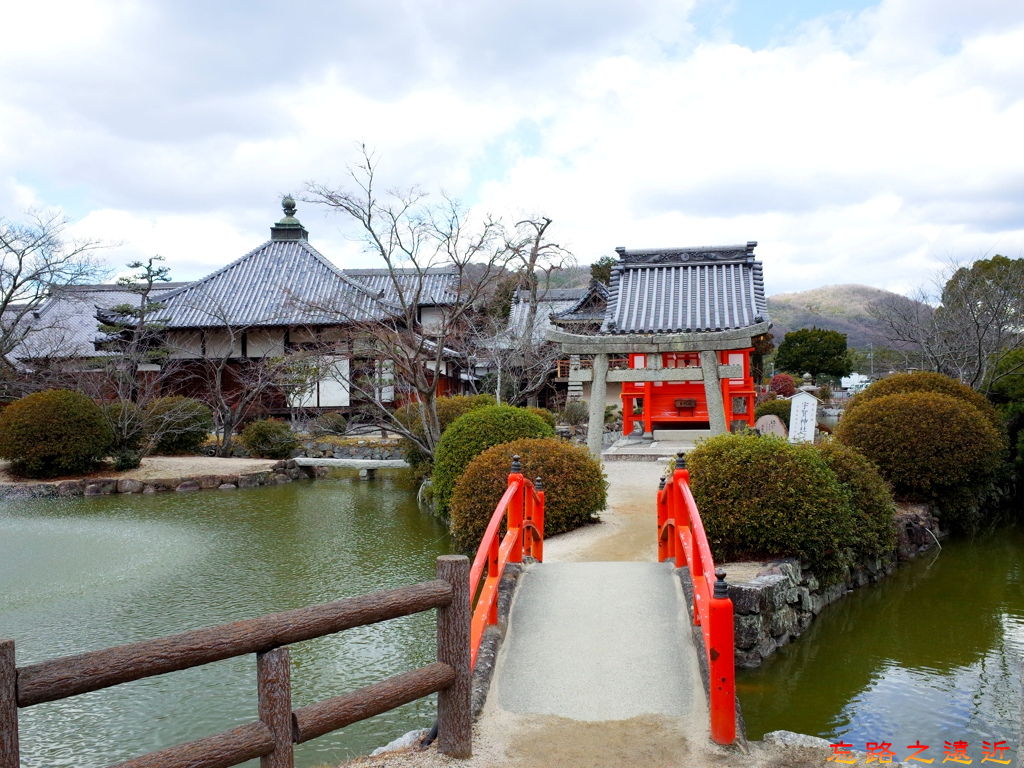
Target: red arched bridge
pixel 586 641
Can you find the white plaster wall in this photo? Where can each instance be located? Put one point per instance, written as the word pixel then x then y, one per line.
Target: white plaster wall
pixel 431 318
pixel 265 343
pixel 184 345
pixel 614 390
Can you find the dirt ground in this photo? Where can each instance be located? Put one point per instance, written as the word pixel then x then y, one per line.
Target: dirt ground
pixel 628 527
pixel 156 467
pixel 641 742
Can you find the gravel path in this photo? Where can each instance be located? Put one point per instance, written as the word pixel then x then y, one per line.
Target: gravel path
pixel 157 467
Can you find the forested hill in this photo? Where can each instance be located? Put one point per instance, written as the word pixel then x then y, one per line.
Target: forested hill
pixel 842 308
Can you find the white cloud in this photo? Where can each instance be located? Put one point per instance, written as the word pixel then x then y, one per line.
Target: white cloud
pixel 859 149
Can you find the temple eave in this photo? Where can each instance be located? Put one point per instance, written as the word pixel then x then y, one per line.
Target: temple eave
pixel 580 344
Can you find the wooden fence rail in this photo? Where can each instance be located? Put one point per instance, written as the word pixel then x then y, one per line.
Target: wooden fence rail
pixel 271 738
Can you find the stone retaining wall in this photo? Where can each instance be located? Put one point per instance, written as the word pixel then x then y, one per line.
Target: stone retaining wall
pixel 359 449
pixel 281 472
pixel 780 603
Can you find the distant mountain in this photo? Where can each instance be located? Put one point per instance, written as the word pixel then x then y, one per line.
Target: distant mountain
pixel 569 277
pixel 842 308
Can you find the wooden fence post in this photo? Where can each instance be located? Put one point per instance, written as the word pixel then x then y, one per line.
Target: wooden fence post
pixel 274 683
pixel 454 719
pixel 9 757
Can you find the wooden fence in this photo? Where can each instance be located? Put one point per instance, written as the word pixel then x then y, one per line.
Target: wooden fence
pixel 279 727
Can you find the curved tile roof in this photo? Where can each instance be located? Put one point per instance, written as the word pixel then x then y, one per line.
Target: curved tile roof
pixel 684 290
pixel 279 283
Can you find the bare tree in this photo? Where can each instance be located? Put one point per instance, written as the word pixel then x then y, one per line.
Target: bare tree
pixel 528 356
pixel 36 257
pixel 966 324
pixel 414 237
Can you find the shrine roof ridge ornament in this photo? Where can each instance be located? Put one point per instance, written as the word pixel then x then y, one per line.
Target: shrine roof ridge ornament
pixel 685 255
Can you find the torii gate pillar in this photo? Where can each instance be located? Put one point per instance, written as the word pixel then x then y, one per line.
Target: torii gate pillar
pixel 598 392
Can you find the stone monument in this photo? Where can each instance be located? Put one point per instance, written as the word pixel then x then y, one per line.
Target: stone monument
pixel 803 417
pixel 771 424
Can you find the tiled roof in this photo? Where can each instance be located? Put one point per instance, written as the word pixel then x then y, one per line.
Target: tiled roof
pixel 66 323
pixel 279 283
pixel 433 286
pixel 550 303
pixel 680 290
pixel 589 309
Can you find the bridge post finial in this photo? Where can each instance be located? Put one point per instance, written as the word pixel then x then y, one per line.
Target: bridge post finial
pixel 661 483
pixel 538 484
pixel 721 587
pixel 516 466
pixel 681 460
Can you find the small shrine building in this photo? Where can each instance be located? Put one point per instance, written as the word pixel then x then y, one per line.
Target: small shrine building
pixel 685 319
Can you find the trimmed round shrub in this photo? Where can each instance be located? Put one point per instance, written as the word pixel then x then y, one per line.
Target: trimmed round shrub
pixel 780 408
pixel 330 424
pixel 53 433
pixel 782 384
pixel 575 488
pixel 126 459
pixel 931 448
pixel 926 381
pixel 874 533
pixel 448 410
pixel 179 425
pixel 545 414
pixel 269 439
pixel 761 497
pixel 472 434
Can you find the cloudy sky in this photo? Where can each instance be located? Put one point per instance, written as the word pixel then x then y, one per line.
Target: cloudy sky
pixel 855 141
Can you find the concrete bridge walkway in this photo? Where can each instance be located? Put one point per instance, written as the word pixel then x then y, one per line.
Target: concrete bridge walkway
pixel 599 641
pixel 598 666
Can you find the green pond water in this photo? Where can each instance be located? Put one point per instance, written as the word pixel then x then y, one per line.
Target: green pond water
pixel 82 574
pixel 933 652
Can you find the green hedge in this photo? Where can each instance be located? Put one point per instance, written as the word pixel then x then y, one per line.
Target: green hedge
pixel 473 433
pixel 575 489
pixel 53 433
pixel 874 533
pixel 549 416
pixel 269 439
pixel 780 408
pixel 930 447
pixel 761 497
pixel 180 425
pixel 925 381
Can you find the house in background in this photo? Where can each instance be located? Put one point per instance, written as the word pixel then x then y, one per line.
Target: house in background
pixel 283 298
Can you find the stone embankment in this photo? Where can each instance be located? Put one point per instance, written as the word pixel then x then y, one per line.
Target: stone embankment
pixel 378 449
pixel 780 602
pixel 275 474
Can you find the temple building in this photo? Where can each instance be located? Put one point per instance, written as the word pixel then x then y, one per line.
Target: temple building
pixel 681 323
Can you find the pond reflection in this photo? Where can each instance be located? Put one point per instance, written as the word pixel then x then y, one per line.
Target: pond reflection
pixel 87 573
pixel 932 653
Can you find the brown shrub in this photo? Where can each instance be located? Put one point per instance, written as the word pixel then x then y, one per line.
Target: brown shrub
pixel 575 489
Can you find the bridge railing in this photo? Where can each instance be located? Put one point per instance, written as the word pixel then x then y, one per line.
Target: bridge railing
pixel 681 536
pixel 271 737
pixel 522 510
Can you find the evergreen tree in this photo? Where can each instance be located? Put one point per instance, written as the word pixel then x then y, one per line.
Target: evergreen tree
pixel 815 351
